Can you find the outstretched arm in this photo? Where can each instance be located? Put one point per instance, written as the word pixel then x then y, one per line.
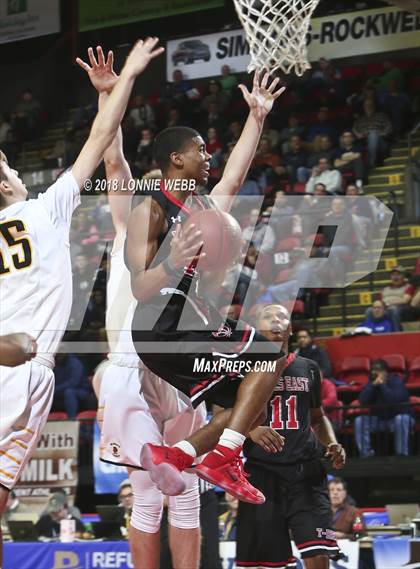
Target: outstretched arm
pixel 260 102
pixel 104 78
pixel 108 119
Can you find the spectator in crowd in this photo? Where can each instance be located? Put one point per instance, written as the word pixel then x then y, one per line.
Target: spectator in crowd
pixel 296 161
pixel 387 399
pixel 234 132
pixel 293 129
pixel 313 209
pixel 144 156
pixel 27 114
pixel 378 321
pixel 324 149
pixel 344 514
pixel 259 233
pixel 283 220
pixel 271 133
pixel 325 71
pixel 214 147
pixel 177 90
pixel 344 241
pixel 6 135
pixel 391 74
pixel 243 279
pixel 324 175
pixel 48 524
pixel 72 386
pixel 227 520
pixel 361 213
pixel 142 113
pixel 213 118
pixel 396 296
pixel 73 510
pixel 348 159
pixel 374 128
pixel 412 312
pixel 268 160
pixel 307 349
pixel 174 117
pixel 228 81
pixel 125 500
pixel 330 403
pixel 215 95
pixel 323 127
pixel 396 105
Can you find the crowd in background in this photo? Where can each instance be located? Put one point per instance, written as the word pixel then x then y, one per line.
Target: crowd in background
pixel 329 128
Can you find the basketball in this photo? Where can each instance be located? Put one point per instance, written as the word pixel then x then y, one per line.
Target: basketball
pixel 222 237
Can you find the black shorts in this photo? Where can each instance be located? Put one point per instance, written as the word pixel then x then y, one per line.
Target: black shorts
pixel 297 502
pixel 204 338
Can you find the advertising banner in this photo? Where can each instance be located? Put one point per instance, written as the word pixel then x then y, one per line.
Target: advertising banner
pixel 106 13
pixel 53 465
pixel 23 19
pixel 342 35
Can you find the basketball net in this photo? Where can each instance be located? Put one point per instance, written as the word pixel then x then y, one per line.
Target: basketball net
pixel 276 32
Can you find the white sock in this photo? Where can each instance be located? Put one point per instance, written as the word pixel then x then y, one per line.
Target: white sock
pixel 187 448
pixel 231 439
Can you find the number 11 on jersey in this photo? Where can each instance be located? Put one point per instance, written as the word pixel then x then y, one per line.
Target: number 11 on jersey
pixel 277 414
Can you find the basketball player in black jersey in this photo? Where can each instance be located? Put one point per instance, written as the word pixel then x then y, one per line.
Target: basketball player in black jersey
pixel 168 285
pixel 293 480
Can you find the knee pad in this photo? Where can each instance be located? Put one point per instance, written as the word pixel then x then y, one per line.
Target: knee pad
pixel 148 502
pixel 184 510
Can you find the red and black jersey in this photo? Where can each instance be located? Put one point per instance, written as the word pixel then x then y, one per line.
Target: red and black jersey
pixel 297 391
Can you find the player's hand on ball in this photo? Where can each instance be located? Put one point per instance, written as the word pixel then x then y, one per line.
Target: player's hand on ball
pixel 262 96
pixel 337 454
pixel 141 55
pixel 268 439
pixel 101 73
pixel 185 246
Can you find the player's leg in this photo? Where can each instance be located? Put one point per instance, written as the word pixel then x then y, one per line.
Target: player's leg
pixel 262 536
pixel 145 521
pixel 4 495
pixel 309 514
pixel 184 525
pixel 26 397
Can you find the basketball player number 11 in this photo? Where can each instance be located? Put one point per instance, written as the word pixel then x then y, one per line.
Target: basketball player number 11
pixel 277 421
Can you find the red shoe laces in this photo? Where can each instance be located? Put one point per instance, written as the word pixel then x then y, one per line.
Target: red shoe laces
pixel 237 470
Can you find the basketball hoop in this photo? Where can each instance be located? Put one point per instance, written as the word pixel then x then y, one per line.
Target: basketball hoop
pixel 276 32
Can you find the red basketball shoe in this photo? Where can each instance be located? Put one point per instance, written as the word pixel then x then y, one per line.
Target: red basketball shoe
pixel 224 467
pixel 165 465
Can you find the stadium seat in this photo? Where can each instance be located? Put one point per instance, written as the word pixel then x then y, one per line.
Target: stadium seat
pixel 355 409
pixel 58 416
pixel 415 402
pixel 396 363
pixel 355 369
pixel 413 380
pixel 86 416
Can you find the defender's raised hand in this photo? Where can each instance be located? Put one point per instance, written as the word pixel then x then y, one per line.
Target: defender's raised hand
pixel 141 55
pixel 101 72
pixel 261 98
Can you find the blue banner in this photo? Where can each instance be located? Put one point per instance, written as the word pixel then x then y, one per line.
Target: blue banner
pixel 108 477
pixel 395 552
pixel 80 555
